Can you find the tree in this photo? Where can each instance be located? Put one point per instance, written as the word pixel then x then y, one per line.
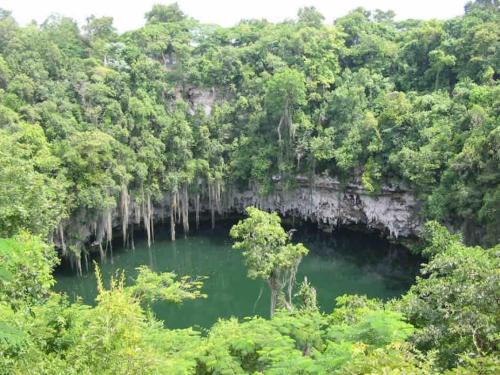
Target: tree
pixel 26 265
pixel 310 16
pixel 41 332
pixel 268 253
pixel 485 4
pixel 285 94
pixel 32 189
pixel 165 13
pixel 454 306
pixel 99 28
pixel 97 164
pixel 439 61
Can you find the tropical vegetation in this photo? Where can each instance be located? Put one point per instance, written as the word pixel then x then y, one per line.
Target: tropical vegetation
pixel 99 129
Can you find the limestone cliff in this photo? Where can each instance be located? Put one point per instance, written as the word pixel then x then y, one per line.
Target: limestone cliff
pixel 324 200
pixel 394 211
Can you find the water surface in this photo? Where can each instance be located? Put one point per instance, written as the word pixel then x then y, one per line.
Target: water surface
pixel 341 263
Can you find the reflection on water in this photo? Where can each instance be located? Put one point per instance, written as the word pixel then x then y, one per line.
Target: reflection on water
pixel 339 263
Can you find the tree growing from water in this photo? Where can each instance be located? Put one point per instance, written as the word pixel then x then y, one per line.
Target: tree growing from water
pixel 269 254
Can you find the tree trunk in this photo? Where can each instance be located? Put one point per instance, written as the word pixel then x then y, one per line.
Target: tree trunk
pixel 436 83
pixel 274 300
pixel 290 282
pixel 279 128
pixel 275 290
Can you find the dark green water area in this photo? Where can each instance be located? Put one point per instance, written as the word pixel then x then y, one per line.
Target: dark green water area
pixel 344 262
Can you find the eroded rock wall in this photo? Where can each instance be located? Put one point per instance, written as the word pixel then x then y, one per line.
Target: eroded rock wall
pixel 393 211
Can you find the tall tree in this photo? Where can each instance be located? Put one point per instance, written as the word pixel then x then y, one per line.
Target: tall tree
pixel 269 254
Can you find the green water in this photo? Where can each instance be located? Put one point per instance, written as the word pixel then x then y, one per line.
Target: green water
pixel 345 262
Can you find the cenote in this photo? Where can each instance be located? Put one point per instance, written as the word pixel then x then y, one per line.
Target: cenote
pixel 344 262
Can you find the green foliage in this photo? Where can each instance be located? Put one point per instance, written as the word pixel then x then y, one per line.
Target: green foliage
pixel 176 104
pixel 102 165
pixel 454 303
pixel 26 265
pixel 358 319
pixel 452 312
pixel 487 365
pixel 31 189
pixel 285 92
pixel 151 287
pixel 93 121
pixel 268 253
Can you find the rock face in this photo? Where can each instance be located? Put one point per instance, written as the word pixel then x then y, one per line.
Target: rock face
pixel 202 98
pixel 394 211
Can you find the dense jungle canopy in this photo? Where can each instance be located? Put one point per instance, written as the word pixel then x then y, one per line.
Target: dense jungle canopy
pixel 93 122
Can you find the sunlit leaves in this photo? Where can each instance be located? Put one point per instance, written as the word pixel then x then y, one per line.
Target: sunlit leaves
pixel 150 287
pixel 454 304
pixel 26 265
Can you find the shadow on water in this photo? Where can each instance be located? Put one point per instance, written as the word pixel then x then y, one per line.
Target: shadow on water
pixel 344 262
